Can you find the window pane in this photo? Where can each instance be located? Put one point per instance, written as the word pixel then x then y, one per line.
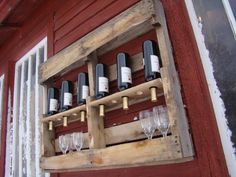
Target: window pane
pixel 233 6
pixel 221 44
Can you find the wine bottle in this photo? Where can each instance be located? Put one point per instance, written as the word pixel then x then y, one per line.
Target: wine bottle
pixel 82 88
pixel 102 86
pixel 66 99
pixel 82 92
pixel 124 77
pixel 152 62
pixel 66 95
pixel 53 97
pixel 152 65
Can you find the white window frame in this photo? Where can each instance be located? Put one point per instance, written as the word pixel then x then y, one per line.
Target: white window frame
pixel 22 110
pixel 217 102
pixel 1 107
pixel 230 16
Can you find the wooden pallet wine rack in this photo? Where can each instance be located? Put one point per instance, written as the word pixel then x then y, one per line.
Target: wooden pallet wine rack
pixel 106 148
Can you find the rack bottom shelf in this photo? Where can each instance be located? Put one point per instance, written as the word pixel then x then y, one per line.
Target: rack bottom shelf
pixel 146 152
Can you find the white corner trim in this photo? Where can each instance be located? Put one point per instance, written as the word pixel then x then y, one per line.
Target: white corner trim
pixel 230 15
pixel 218 104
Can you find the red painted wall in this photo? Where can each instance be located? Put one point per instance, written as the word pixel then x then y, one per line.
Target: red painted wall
pixel 66 21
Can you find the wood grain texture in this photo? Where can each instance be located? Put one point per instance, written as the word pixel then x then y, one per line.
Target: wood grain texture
pixel 56 118
pixel 171 84
pixel 75 53
pixel 118 134
pixel 94 122
pixel 130 154
pixel 48 141
pixel 136 95
pixel 209 160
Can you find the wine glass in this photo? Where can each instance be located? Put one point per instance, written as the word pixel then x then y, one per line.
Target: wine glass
pixel 63 143
pixel 78 140
pixel 146 118
pixel 70 142
pixel 161 119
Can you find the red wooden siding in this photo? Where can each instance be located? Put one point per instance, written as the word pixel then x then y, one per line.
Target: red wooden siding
pixel 77 22
pixel 66 21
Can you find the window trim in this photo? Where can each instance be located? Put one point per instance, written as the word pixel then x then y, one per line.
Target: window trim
pixel 1 107
pixel 17 112
pixel 230 16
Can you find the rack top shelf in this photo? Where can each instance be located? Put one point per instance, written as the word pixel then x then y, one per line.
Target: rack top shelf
pixel 135 94
pixel 68 113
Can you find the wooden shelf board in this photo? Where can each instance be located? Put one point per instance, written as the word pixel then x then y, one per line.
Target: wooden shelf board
pixel 118 134
pixel 134 98
pixel 160 150
pixel 57 118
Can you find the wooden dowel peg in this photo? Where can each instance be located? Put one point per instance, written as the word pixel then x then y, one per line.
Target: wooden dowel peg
pixel 65 121
pixel 82 116
pixel 153 91
pixel 50 126
pixel 101 110
pixel 125 102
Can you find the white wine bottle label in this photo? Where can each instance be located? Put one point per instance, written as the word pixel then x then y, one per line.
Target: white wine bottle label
pixel 67 99
pixel 126 75
pixel 53 104
pixel 85 91
pixel 155 65
pixel 103 84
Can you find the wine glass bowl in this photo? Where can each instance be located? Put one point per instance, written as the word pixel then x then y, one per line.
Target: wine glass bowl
pixel 63 143
pixel 78 140
pixel 161 119
pixel 146 118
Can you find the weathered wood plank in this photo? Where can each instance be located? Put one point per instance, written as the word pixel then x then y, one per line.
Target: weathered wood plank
pixel 171 84
pixel 118 134
pixel 94 122
pixel 136 94
pixel 126 37
pixel 48 141
pixel 75 53
pixel 69 113
pixel 145 152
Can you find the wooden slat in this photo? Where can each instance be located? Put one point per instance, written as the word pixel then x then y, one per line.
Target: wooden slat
pixel 171 84
pixel 118 134
pixel 48 141
pixel 132 93
pixel 145 152
pixel 128 36
pixel 94 122
pixel 69 113
pixel 74 54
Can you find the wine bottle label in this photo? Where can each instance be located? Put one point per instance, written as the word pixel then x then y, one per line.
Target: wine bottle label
pixel 85 91
pixel 103 84
pixel 53 104
pixel 67 99
pixel 155 66
pixel 126 75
